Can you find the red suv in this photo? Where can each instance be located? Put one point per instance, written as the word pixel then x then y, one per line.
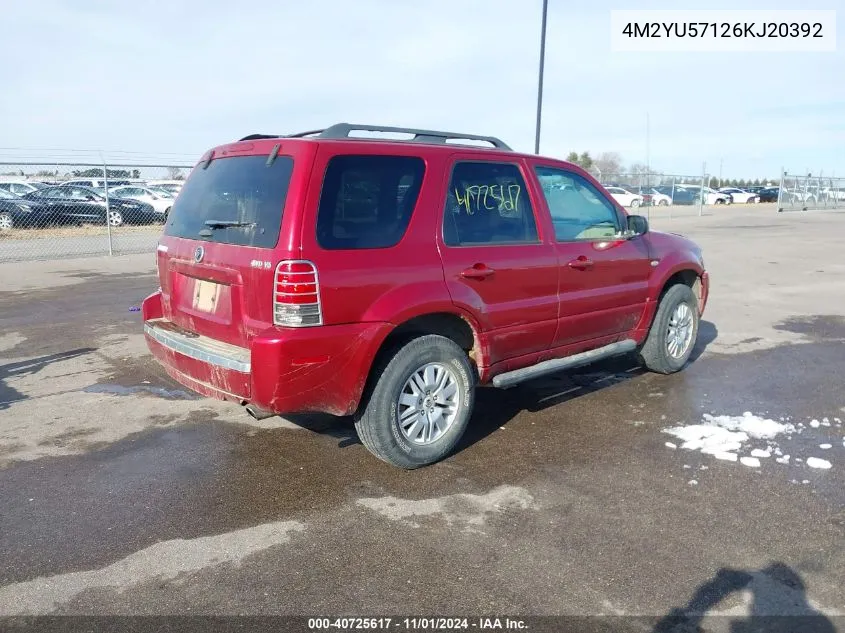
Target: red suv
pixel 387 278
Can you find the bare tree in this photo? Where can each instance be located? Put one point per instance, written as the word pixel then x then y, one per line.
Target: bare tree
pixel 174 173
pixel 609 163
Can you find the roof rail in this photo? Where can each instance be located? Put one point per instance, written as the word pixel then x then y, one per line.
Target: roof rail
pixel 342 130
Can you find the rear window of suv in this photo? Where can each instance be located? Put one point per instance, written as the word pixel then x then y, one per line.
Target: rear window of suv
pixel 240 189
pixel 367 201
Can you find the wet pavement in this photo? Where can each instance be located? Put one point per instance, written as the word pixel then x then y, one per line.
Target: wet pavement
pixel 123 493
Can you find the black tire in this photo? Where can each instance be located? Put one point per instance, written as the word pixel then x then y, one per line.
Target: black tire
pixel 654 353
pixel 7 222
pixel 662 203
pixel 377 420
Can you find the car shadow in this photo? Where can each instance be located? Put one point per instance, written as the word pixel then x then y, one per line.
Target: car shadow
pixel 776 603
pixel 9 395
pixel 496 407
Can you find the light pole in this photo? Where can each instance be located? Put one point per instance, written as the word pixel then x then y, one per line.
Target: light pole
pixel 540 78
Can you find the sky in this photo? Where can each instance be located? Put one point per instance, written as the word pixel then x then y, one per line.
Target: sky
pixel 164 81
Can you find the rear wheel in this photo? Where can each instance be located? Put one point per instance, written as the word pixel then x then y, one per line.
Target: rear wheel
pixel 673 332
pixel 115 218
pixel 419 403
pixel 7 223
pixel 662 203
pixel 635 203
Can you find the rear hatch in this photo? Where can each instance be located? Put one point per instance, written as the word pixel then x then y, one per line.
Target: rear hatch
pixel 221 242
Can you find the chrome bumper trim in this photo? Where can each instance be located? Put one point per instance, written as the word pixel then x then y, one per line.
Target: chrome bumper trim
pixel 202 348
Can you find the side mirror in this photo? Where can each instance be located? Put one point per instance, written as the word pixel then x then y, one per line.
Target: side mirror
pixel 637 225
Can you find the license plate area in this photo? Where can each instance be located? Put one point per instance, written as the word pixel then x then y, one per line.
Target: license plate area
pixel 206 295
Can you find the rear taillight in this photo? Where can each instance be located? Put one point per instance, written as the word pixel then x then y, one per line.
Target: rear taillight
pixel 296 295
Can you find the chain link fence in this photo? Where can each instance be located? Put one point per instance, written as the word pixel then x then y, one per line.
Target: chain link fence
pixel 808 192
pixel 678 194
pixel 81 209
pixel 54 211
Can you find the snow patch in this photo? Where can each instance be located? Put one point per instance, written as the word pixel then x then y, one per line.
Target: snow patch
pixel 723 435
pixel 728 457
pixel 732 438
pixel 816 462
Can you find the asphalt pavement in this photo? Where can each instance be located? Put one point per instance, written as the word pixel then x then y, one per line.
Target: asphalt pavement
pixel 121 493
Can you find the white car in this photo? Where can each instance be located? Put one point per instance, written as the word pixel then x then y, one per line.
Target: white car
pixel 159 200
pixel 173 186
pixel 710 196
pixel 625 197
pixel 834 193
pixel 656 198
pixel 740 196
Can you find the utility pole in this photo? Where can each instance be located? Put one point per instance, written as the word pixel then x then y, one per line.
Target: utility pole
pixel 647 150
pixel 540 78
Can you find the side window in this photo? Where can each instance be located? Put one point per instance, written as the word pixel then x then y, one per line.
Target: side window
pixel 579 211
pixel 77 193
pixel 487 203
pixel 367 201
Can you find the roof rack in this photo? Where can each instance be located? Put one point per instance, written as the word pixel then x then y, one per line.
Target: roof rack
pixel 342 130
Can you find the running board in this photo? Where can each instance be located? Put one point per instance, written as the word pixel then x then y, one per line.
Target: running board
pixel 511 378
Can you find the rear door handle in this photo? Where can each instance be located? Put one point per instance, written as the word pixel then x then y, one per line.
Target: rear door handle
pixel 479 271
pixel 581 263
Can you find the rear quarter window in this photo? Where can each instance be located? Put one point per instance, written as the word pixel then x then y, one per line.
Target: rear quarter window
pixel 240 189
pixel 367 201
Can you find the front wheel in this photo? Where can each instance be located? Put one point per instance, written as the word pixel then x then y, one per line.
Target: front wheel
pixel 635 203
pixel 7 223
pixel 419 403
pixel 662 203
pixel 673 332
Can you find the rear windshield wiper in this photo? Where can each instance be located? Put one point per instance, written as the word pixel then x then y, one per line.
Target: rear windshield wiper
pixel 224 224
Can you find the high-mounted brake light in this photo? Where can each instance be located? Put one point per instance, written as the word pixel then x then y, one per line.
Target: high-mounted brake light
pixel 296 294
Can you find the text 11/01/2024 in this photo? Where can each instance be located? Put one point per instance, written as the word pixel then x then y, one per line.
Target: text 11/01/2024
pixel 723 31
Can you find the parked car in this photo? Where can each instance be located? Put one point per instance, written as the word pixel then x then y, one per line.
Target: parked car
pixel 653 197
pixel 678 195
pixel 83 205
pixel 769 194
pixel 800 195
pixel 708 195
pixel 160 200
pixel 346 300
pixel 96 182
pixel 625 197
pixel 173 186
pixel 16 212
pixel 835 193
pixel 21 187
pixel 740 196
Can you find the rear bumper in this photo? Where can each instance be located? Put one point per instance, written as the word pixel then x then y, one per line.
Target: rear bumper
pixel 285 370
